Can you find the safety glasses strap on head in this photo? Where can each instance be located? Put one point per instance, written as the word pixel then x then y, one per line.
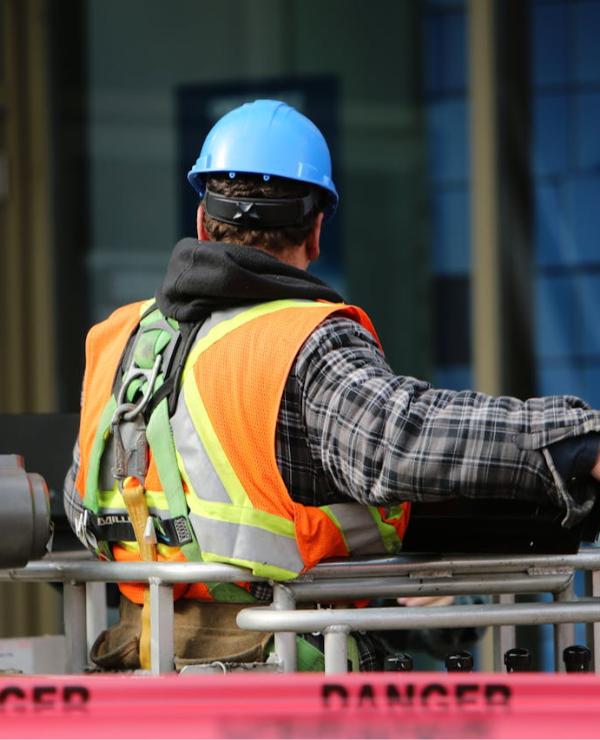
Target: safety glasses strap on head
pixel 259 213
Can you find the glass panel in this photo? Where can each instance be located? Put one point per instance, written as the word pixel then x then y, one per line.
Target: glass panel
pixel 553 238
pixel 445 53
pixel 447 127
pixel 450 223
pixel 549 44
pixel 550 133
pixel 444 63
pixel 557 312
pixel 585 47
pixel 565 162
pixel 586 130
pixel 583 197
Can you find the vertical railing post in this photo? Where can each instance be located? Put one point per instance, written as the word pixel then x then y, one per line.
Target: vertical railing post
pixel 564 634
pixel 161 625
pixel 285 642
pixel 596 625
pixel 336 649
pixel 95 611
pixel 504 636
pixel 74 599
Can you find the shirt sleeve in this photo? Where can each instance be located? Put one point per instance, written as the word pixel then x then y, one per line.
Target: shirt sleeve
pixel 383 438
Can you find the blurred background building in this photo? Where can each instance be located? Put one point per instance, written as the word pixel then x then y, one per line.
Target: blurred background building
pixel 466 152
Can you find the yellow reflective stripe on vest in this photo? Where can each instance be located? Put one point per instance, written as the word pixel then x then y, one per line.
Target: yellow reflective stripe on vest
pixel 389 535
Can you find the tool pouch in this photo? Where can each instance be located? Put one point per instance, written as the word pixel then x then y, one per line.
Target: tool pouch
pixel 203 632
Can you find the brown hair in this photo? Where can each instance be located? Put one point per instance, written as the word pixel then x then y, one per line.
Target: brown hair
pixel 249 186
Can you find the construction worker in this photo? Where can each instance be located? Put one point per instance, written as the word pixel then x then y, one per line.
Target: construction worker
pixel 247 415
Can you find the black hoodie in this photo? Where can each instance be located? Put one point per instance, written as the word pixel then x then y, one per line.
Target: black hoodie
pixel 203 277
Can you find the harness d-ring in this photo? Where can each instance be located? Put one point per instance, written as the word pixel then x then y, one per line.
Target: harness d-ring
pixel 150 377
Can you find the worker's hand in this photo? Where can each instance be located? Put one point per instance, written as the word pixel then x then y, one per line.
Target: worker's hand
pixel 426 600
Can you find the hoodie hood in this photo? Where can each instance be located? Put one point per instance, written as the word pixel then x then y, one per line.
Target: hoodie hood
pixel 203 277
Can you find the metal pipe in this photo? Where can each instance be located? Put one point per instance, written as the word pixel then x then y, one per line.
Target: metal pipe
pixel 74 604
pixel 92 570
pixel 564 633
pixel 585 559
pixel 161 622
pixel 363 588
pixel 265 619
pixel 285 642
pixel 336 649
pixel 596 627
pixel 96 611
pixel 504 635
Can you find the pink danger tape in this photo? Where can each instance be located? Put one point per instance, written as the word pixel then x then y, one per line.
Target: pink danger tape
pixel 379 705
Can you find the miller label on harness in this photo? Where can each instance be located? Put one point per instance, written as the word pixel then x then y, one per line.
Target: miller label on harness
pixel 192 415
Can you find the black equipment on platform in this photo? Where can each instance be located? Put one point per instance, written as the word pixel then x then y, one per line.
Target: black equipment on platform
pixel 517 660
pixel 459 662
pixel 398 662
pixel 577 659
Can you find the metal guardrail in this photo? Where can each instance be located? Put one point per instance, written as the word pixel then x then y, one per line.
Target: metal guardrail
pixel 85 603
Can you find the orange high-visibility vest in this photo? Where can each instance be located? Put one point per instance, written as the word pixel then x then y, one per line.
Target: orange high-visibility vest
pixel 224 431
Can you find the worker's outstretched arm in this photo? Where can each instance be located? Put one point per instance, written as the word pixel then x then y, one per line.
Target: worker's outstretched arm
pixel 382 438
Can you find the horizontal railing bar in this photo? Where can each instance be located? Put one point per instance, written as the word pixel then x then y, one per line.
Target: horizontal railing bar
pixel 364 588
pixel 87 569
pixel 265 619
pixel 99 571
pixel 585 559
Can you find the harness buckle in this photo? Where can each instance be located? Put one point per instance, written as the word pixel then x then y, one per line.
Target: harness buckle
pixel 129 443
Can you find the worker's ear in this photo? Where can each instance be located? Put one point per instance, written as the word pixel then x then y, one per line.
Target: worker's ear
pixel 200 226
pixel 313 242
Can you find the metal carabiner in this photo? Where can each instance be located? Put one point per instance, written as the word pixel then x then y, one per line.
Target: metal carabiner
pixel 150 377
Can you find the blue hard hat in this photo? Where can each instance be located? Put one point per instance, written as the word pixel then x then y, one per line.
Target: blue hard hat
pixel 266 137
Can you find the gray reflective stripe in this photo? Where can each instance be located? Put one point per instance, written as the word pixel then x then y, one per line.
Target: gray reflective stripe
pixel 243 542
pixel 216 318
pixel 204 478
pixel 361 533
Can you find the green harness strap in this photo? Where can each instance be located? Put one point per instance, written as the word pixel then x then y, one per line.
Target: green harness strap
pixel 160 440
pixel 90 499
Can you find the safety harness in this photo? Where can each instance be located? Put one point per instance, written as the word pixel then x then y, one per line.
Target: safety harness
pixel 144 396
pixel 144 393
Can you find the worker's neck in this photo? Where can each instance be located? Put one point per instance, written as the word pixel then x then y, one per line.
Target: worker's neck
pixel 295 256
